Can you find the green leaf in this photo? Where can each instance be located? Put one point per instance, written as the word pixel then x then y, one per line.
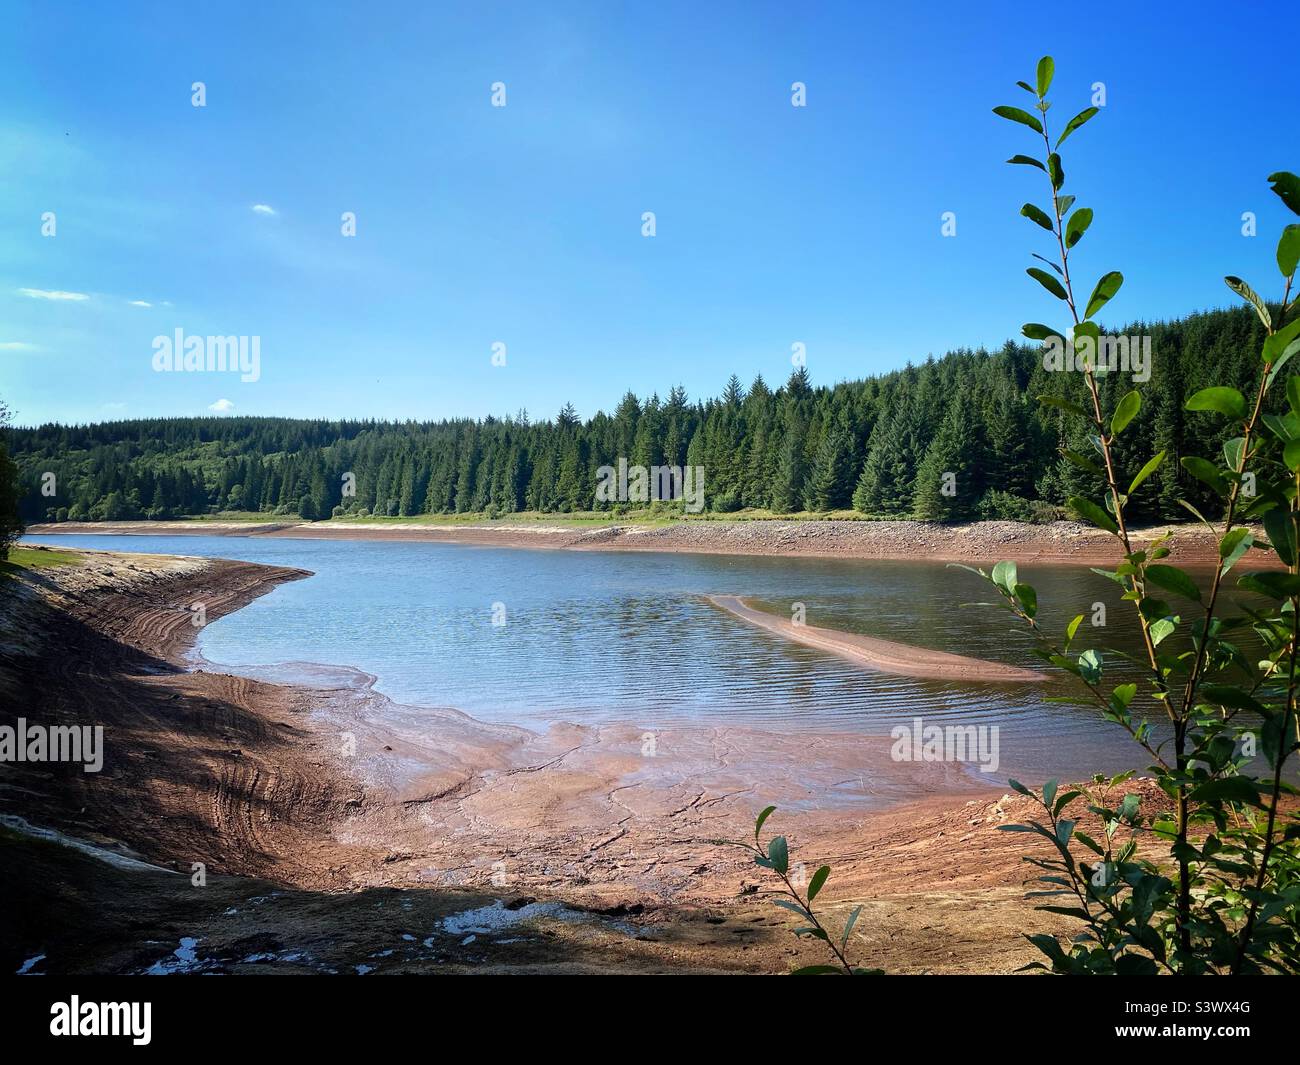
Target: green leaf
pixel 1281 360
pixel 1083 462
pixel 1224 400
pixel 1233 546
pixel 1288 250
pixel 1287 185
pixel 1090 667
pixel 1088 842
pixel 1278 363
pixel 793 908
pixel 1077 226
pixel 1275 346
pixel 1037 331
pixel 1135 965
pixel 1291 455
pixel 1229 789
pixel 1233 697
pixel 1062 404
pixel 1046 68
pixel 1146 471
pixel 1087 329
pixel 1074 123
pixel 1037 214
pixel 1271 583
pixel 1090 511
pixel 1172 579
pixel 1072 628
pixel 778 853
pixel 758 824
pixel 1123 694
pixel 1293 393
pixel 1104 292
pixel 1234 453
pixel 1160 629
pixel 1250 296
pixel 818 879
pixel 1015 114
pixel 848 926
pixel 1004 576
pixel 1054 170
pixel 1027 160
pixel 1027 598
pixel 1204 471
pixel 1285 428
pixel 1125 412
pixel 1281 532
pixel 1048 282
pixel 817 970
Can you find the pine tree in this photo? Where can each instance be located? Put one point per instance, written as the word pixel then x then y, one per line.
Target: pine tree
pixel 831 485
pixel 571 492
pixel 885 486
pixel 948 484
pixel 734 394
pixel 787 491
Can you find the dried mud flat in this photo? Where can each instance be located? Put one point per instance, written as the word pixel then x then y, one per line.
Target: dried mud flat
pixel 340 832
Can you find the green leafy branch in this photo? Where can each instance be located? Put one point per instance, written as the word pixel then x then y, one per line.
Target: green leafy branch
pixel 1234 903
pixel 775 857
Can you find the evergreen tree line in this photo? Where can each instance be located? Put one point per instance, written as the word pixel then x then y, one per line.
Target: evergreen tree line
pixel 955 438
pixel 11 526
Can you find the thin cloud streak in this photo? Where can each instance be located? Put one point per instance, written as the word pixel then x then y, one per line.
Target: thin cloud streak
pixel 52 294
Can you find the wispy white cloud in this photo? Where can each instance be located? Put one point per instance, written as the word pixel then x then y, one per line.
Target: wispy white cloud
pixel 263 208
pixel 17 345
pixel 139 303
pixel 113 406
pixel 221 406
pixel 51 294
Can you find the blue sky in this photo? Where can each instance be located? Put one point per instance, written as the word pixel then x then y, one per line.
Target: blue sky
pixel 522 225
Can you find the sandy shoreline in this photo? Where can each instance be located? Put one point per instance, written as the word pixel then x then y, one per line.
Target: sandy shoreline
pixel 1060 543
pixel 329 790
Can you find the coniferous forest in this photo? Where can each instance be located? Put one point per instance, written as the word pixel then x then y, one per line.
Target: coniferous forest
pixel 883 446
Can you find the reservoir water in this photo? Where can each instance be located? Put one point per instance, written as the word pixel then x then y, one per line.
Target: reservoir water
pixel 538 636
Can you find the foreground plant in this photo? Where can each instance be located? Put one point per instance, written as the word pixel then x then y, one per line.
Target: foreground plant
pixel 1211 884
pixel 776 858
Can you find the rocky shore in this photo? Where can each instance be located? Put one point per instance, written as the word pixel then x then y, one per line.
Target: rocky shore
pixel 1058 543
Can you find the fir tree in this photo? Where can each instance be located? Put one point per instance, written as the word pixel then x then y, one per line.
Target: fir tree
pixel 948 482
pixel 831 485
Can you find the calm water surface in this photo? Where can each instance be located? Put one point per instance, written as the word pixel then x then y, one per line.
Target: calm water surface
pixel 593 637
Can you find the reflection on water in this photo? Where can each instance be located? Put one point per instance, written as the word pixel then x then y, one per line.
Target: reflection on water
pixel 593 637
